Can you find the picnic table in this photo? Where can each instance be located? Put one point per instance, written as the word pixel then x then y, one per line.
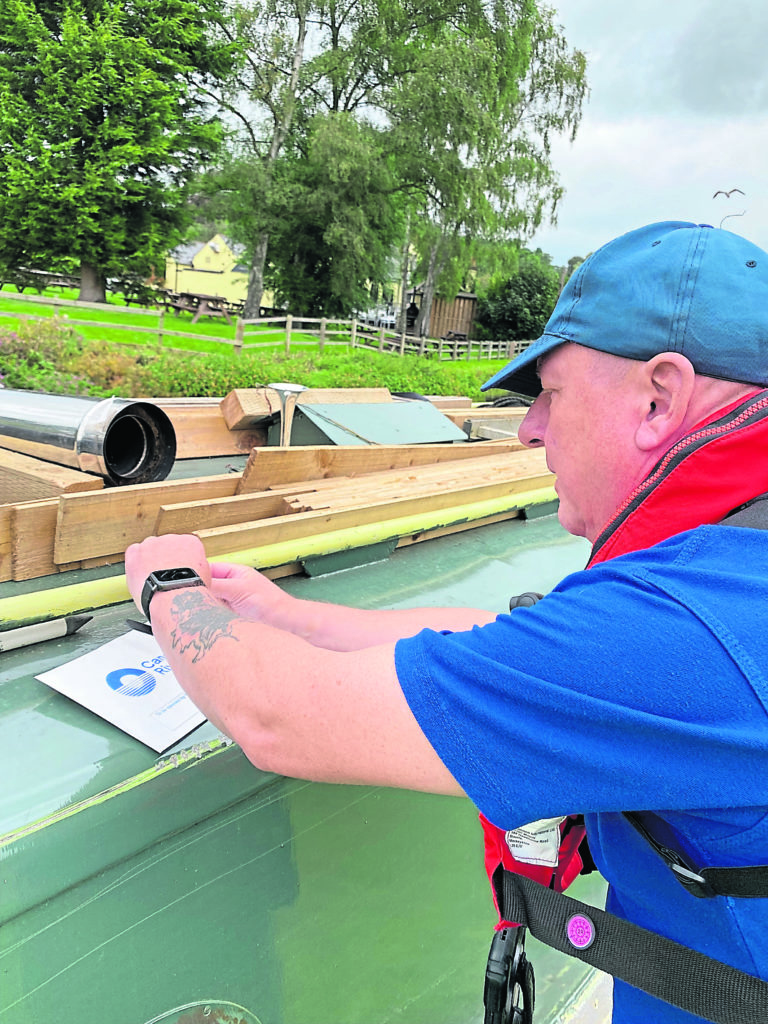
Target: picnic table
pixel 198 304
pixel 28 277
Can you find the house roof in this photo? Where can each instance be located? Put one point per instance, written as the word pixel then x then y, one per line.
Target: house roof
pixel 186 253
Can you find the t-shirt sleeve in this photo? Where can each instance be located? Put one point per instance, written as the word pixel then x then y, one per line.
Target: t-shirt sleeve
pixel 605 696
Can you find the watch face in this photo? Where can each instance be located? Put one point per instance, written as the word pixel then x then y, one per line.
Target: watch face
pixel 174 575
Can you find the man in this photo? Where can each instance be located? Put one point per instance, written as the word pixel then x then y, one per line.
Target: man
pixel 640 684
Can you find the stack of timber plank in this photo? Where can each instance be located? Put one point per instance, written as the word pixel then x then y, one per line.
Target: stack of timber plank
pixel 279 505
pixel 283 497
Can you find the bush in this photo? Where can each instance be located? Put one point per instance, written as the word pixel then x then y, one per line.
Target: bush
pixel 49 356
pixel 518 309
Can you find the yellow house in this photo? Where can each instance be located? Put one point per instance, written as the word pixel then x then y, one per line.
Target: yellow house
pixel 207 268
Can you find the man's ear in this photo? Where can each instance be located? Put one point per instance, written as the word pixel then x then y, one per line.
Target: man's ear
pixel 666 388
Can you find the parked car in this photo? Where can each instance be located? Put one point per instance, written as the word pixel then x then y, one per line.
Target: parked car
pixel 387 318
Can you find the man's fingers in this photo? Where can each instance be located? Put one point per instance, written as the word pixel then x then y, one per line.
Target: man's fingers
pixel 230 571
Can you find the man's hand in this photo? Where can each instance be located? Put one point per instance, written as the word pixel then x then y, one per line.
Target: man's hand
pixel 325 706
pixel 248 593
pixel 169 552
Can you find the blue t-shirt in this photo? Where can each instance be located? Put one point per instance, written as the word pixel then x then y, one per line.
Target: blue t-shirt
pixel 640 684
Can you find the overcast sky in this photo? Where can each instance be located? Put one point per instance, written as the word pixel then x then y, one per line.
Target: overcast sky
pixel 678 109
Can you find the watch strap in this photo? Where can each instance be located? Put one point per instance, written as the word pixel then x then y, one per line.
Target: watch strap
pixel 152 586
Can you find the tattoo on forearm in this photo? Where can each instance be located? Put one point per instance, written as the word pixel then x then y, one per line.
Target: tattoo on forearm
pixel 199 622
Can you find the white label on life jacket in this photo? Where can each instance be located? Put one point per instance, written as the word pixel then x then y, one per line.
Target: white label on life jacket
pixel 537 843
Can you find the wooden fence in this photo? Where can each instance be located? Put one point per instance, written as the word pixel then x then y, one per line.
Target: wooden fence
pixel 281 331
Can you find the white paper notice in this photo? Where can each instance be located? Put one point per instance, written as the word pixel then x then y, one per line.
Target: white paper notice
pixel 129 682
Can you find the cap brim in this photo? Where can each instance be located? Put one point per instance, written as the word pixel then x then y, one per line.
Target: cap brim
pixel 519 375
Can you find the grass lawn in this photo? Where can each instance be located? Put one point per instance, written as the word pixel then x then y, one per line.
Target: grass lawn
pixel 15 307
pixel 218 369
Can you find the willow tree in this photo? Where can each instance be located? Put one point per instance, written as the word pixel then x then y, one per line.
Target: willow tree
pixel 102 125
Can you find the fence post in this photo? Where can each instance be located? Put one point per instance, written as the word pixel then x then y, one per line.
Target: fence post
pixel 402 343
pixel 239 331
pixel 440 349
pixel 288 325
pixel 160 325
pixel 321 342
pixel 381 340
pixel 353 334
pixel 422 344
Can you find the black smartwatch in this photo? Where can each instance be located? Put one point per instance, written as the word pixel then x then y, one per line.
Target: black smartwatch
pixel 167 579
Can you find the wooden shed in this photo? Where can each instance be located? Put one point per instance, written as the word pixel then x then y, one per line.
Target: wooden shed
pixel 457 315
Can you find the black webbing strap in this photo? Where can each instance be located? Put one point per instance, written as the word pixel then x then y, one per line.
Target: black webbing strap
pixel 749 882
pixel 656 965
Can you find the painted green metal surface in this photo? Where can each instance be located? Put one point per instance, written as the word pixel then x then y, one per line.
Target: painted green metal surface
pixel 360 423
pixel 192 887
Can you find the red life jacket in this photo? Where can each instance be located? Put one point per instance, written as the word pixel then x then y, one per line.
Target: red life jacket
pixel 729 447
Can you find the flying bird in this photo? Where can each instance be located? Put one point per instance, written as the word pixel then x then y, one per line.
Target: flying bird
pixel 722 192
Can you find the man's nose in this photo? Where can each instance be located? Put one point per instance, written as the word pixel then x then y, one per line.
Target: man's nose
pixel 531 430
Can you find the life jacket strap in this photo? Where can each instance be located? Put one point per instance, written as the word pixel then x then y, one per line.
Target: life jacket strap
pixel 750 882
pixel 665 969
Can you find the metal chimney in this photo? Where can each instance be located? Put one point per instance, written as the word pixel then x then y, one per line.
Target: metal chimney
pixel 125 442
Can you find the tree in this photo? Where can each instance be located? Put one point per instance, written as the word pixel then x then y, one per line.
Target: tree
pixel 462 96
pixel 517 308
pixel 483 169
pixel 362 53
pixel 102 125
pixel 570 268
pixel 336 224
pixel 260 99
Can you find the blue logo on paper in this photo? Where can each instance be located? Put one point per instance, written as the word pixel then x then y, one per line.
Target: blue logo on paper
pixel 131 682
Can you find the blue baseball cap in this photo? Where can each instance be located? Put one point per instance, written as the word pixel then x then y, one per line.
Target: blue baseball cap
pixel 667 287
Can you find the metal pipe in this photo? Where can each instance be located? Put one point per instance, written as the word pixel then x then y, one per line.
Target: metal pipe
pixel 289 395
pixel 125 442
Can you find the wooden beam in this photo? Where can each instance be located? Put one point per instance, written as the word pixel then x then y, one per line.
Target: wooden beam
pixel 91 525
pixel 6 535
pixel 201 432
pixel 513 414
pixel 23 478
pixel 426 480
pixel 245 407
pixel 34 527
pixel 346 492
pixel 186 517
pixel 449 401
pixel 291 528
pixel 94 528
pixel 274 467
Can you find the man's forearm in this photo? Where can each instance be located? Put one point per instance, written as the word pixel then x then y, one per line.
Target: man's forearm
pixel 334 627
pixel 339 628
pixel 294 708
pixel 316 714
